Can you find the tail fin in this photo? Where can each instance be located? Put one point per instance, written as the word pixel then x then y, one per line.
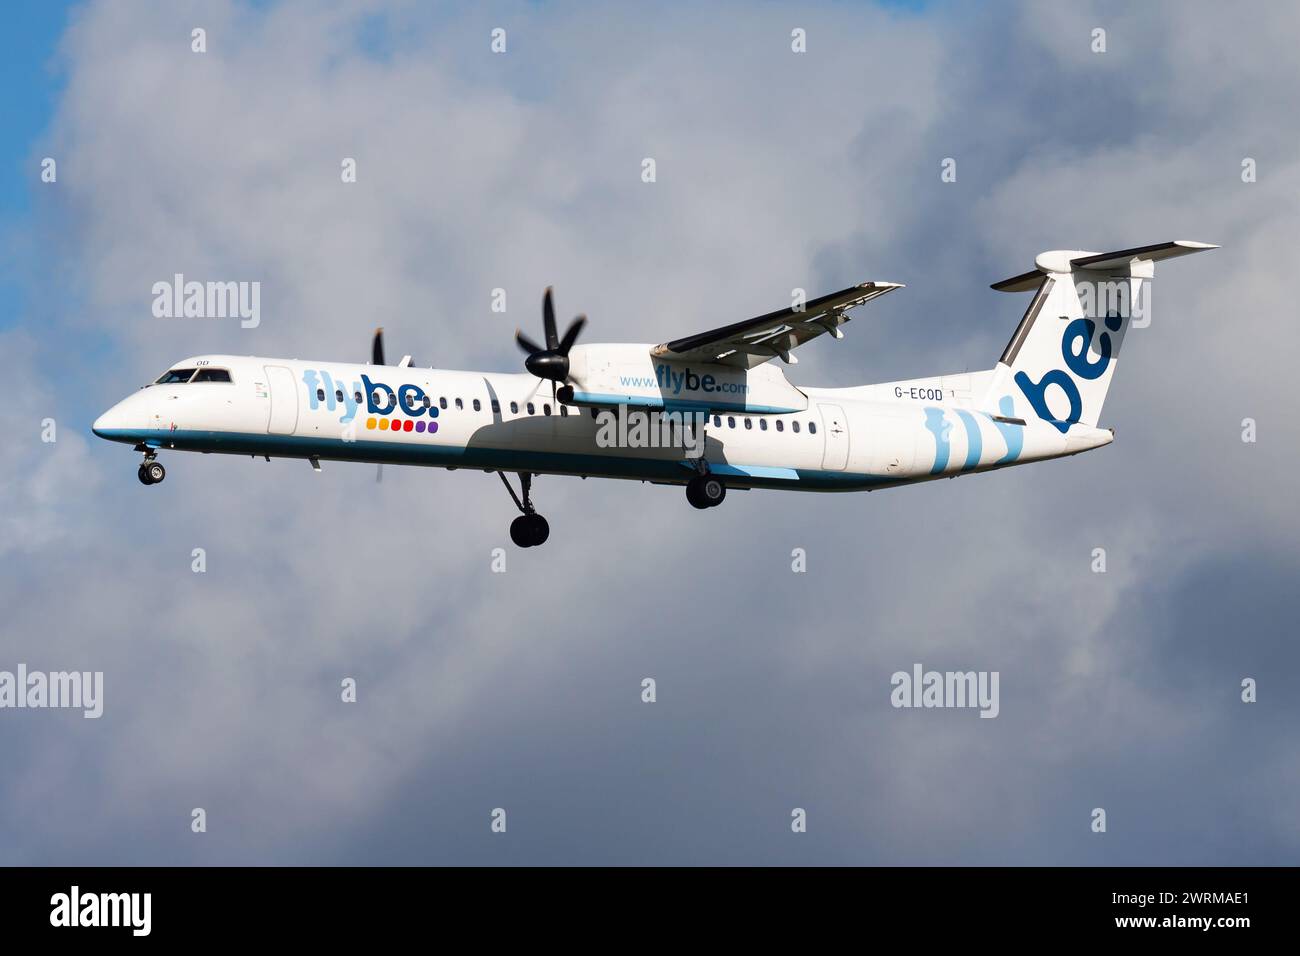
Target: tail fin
pixel 1058 364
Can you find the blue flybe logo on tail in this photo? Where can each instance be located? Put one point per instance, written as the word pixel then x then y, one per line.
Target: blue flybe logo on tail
pixel 1078 334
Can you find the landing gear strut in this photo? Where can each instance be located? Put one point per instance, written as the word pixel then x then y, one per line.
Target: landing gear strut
pixel 151 470
pixel 530 529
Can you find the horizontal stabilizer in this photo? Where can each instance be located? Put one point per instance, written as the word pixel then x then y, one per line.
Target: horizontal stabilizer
pixel 1105 261
pixel 1137 261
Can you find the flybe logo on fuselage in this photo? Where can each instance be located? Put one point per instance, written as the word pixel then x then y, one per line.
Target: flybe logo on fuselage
pixel 673 380
pixel 329 391
pixel 1078 364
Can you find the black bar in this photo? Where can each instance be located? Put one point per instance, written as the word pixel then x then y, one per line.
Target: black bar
pixel 334 905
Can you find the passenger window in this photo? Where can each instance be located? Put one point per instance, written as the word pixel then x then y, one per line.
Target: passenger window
pixel 378 398
pixel 496 407
pixel 812 428
pixel 717 421
pixel 212 375
pixel 795 426
pixel 514 408
pixel 748 424
pixel 780 425
pixel 320 394
pixel 460 405
pixel 338 395
pixel 442 403
pixel 477 406
pixel 428 402
pixel 731 422
pixel 546 409
pixel 531 410
pixel 762 424
pixel 357 396
pixel 564 411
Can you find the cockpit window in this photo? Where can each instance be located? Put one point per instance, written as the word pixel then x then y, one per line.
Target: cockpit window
pixel 212 375
pixel 175 376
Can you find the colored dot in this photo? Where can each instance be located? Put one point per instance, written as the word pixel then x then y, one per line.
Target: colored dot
pixel 383 424
pixel 433 427
pixel 408 425
pixel 419 426
pixel 370 423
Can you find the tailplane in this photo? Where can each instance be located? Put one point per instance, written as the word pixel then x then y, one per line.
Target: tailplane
pixel 1059 363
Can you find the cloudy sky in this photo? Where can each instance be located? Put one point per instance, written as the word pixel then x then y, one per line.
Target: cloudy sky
pixel 522 690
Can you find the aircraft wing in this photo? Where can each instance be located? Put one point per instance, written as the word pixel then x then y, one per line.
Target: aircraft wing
pixel 777 334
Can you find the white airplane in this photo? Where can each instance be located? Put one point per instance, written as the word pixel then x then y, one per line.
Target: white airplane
pixel 708 411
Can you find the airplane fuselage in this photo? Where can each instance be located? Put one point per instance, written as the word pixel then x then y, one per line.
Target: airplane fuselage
pixel 842 440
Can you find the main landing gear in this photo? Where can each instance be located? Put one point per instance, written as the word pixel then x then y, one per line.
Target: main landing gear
pixel 705 491
pixel 151 470
pixel 530 529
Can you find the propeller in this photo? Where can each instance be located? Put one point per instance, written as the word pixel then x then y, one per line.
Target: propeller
pixel 551 362
pixel 377 350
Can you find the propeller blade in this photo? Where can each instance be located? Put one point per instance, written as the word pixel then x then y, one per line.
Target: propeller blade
pixel 548 321
pixel 571 335
pixel 527 344
pixel 377 347
pixel 552 361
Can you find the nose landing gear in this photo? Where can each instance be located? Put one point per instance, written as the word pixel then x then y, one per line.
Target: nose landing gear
pixel 530 529
pixel 151 470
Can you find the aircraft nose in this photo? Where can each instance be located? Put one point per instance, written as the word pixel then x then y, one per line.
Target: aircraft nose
pixel 113 423
pixel 103 423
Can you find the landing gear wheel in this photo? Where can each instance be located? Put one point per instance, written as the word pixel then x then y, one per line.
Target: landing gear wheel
pixel 705 491
pixel 151 472
pixel 528 531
